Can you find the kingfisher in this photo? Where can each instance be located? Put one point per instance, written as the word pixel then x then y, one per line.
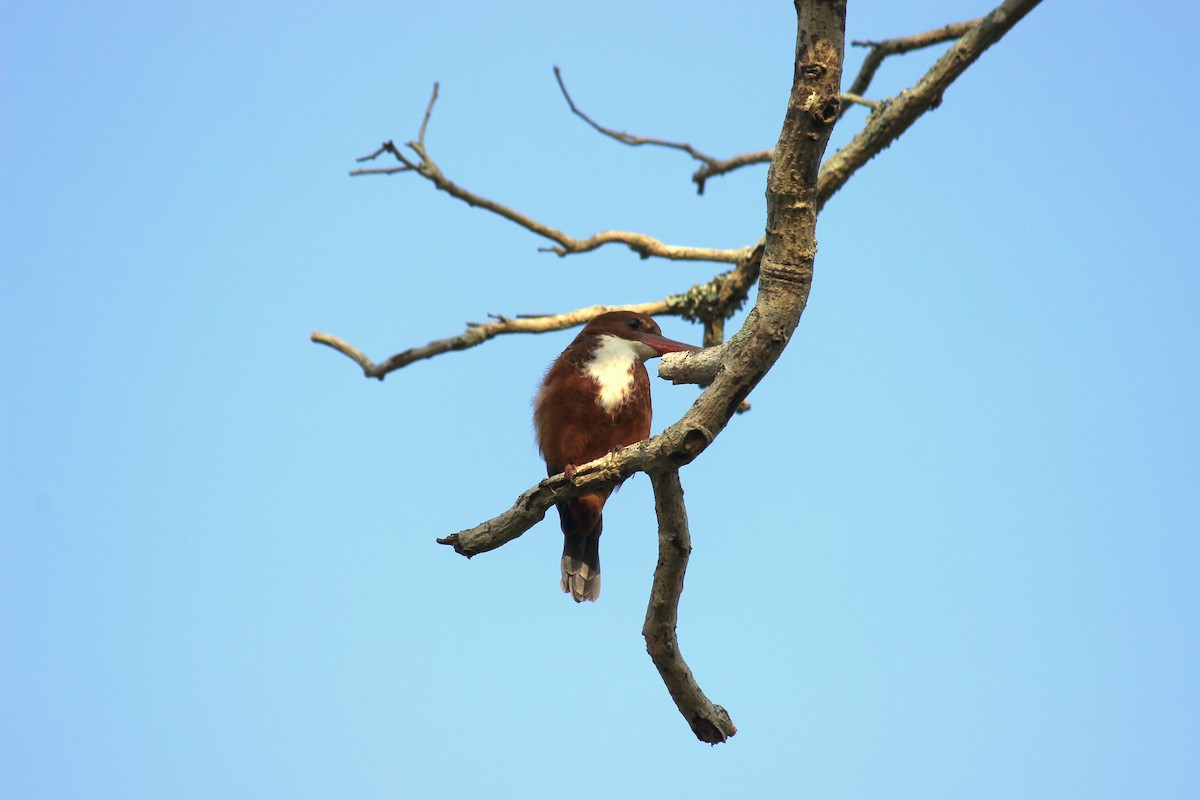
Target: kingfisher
pixel 595 399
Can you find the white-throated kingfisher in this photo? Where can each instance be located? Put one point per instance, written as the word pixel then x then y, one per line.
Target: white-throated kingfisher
pixel 594 399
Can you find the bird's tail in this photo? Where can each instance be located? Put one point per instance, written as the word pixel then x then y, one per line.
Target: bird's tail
pixel 582 523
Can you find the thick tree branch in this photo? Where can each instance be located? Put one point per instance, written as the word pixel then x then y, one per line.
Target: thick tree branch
pixel 708 721
pixel 677 445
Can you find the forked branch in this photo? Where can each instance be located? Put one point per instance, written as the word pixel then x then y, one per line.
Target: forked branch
pixel 645 246
pixel 782 264
pixel 898 46
pixel 679 444
pixel 712 166
pixel 887 124
pixel 786 270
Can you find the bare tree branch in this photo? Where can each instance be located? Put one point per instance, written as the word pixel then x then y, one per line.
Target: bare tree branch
pixel 848 99
pixel 733 369
pixel 720 167
pixel 711 302
pixel 480 332
pixel 873 129
pixel 886 125
pixel 781 263
pixel 622 136
pixel 904 44
pixel 786 272
pixel 677 445
pixel 714 301
pixel 708 721
pixel 712 166
pixel 645 246
pixel 892 119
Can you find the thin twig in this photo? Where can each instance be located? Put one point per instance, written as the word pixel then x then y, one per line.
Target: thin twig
pixel 721 167
pixel 902 44
pixel 848 98
pixel 628 138
pixel 712 166
pixel 428 113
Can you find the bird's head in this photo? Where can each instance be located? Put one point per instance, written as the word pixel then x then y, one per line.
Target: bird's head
pixel 642 333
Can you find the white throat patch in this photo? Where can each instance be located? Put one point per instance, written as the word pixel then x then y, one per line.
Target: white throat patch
pixel 611 367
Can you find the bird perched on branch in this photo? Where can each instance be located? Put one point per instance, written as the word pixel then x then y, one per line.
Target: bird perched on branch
pixel 594 399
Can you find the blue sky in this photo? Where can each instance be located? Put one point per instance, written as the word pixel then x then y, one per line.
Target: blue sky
pixel 952 551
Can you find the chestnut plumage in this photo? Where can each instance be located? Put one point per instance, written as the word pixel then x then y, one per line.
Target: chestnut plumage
pixel 595 398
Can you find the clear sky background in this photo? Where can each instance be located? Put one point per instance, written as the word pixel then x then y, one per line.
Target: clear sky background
pixel 951 553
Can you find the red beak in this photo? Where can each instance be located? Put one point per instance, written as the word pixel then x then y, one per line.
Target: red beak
pixel 661 344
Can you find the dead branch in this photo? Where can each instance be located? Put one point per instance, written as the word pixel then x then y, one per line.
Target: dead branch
pixel 700 176
pixel 622 136
pixel 677 445
pixel 698 368
pixel 900 45
pixel 786 271
pixel 645 246
pixel 712 166
pixel 848 99
pixel 711 303
pixel 887 124
pixel 782 263
pixel 708 721
pixel 882 128
pixel 480 332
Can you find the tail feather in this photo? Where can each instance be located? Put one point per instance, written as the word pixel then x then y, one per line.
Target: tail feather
pixel 582 524
pixel 581 566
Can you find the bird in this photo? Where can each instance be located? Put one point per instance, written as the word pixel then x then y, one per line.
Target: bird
pixel 593 400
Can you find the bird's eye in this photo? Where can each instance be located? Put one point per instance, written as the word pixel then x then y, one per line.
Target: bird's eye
pixel 634 323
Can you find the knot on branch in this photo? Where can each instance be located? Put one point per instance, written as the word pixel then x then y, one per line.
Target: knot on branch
pixel 828 112
pixel 693 443
pixel 812 70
